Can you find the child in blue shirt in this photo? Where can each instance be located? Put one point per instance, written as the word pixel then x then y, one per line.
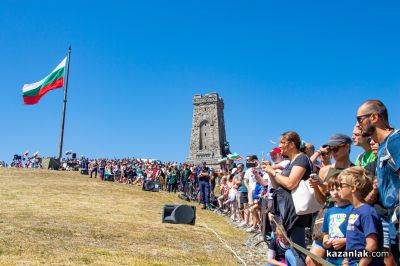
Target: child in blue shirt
pixel 335 222
pixel 364 227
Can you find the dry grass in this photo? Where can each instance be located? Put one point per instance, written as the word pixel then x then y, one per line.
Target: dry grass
pixel 63 218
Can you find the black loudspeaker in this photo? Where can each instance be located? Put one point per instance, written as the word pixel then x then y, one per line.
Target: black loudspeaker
pixel 179 214
pixel 84 172
pixel 109 178
pixel 74 156
pixel 149 185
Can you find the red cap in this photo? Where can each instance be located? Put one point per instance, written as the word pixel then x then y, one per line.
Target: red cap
pixel 275 151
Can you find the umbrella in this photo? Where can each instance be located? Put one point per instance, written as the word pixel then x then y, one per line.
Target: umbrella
pixel 234 157
pixel 68 152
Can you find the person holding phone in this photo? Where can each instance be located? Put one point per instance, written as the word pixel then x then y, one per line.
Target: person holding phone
pixel 249 178
pixel 284 183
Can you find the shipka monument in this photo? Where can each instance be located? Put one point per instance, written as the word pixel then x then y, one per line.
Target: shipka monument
pixel 208 139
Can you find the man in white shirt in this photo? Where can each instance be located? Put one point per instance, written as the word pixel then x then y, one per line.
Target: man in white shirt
pixel 249 178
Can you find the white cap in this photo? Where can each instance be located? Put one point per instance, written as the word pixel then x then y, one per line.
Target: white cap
pixel 233 171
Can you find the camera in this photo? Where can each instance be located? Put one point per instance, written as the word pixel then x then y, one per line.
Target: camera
pixel 250 165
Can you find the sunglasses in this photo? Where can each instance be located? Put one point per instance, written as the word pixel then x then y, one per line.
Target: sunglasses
pixel 336 148
pixel 361 118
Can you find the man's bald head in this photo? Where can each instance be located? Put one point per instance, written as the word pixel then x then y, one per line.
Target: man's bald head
pixel 374 106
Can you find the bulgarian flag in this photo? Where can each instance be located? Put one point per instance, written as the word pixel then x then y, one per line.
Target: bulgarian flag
pixel 33 92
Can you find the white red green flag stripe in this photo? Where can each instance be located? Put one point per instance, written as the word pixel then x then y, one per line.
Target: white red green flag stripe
pixel 33 92
pixel 234 157
pixel 222 161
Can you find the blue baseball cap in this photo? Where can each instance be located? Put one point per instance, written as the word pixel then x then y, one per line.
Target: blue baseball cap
pixel 338 139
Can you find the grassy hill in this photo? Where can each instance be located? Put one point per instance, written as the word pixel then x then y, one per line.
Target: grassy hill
pixel 64 218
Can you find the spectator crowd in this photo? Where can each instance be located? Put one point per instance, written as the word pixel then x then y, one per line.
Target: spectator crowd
pixel 352 208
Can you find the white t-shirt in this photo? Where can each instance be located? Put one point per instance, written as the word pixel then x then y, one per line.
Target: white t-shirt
pixel 284 163
pixel 251 178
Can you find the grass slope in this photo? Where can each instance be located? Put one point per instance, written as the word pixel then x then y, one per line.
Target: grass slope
pixel 64 218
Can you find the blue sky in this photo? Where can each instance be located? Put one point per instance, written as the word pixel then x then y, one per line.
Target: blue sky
pixel 135 66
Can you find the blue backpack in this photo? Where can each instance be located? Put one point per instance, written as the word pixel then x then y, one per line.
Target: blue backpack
pixel 386 156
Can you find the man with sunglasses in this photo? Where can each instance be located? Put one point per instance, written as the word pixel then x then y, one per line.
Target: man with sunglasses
pixel 373 120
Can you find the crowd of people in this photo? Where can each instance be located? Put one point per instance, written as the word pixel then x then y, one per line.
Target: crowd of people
pixel 352 208
pixel 24 162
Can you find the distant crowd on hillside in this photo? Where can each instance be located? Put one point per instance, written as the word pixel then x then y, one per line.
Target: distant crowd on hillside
pixel 24 162
pixel 352 208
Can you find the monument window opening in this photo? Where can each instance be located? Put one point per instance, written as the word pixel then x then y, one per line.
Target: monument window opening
pixel 203 141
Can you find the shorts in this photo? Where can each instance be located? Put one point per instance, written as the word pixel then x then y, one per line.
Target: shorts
pixel 243 199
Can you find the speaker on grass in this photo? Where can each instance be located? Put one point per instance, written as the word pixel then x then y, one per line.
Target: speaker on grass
pixel 179 214
pixel 84 172
pixel 108 177
pixel 150 185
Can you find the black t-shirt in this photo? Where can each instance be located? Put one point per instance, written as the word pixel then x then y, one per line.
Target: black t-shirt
pixel 301 160
pixel 371 167
pixel 204 171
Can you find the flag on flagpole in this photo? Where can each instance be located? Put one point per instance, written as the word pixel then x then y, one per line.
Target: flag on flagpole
pixel 33 92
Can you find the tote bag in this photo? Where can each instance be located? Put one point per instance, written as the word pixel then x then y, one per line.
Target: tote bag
pixel 304 200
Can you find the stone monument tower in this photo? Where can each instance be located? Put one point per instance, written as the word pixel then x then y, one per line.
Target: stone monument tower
pixel 208 140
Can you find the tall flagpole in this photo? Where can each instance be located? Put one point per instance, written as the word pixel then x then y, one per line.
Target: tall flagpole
pixel 65 105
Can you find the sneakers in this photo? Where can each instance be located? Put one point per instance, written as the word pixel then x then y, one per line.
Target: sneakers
pixel 251 230
pixel 243 224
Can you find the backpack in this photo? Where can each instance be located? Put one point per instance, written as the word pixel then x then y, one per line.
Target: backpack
pixel 386 156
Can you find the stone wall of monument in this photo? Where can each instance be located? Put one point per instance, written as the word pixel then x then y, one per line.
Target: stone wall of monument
pixel 208 129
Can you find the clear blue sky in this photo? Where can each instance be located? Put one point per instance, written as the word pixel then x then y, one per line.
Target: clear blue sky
pixel 135 66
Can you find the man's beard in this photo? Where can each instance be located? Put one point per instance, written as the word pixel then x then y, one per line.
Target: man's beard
pixel 369 130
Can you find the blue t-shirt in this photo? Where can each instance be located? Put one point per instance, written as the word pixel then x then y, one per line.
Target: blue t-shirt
pixel 335 225
pixel 363 222
pixel 243 187
pixel 388 178
pixel 257 191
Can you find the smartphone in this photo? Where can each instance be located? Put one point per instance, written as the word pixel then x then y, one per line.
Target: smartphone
pixel 250 165
pixel 316 177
